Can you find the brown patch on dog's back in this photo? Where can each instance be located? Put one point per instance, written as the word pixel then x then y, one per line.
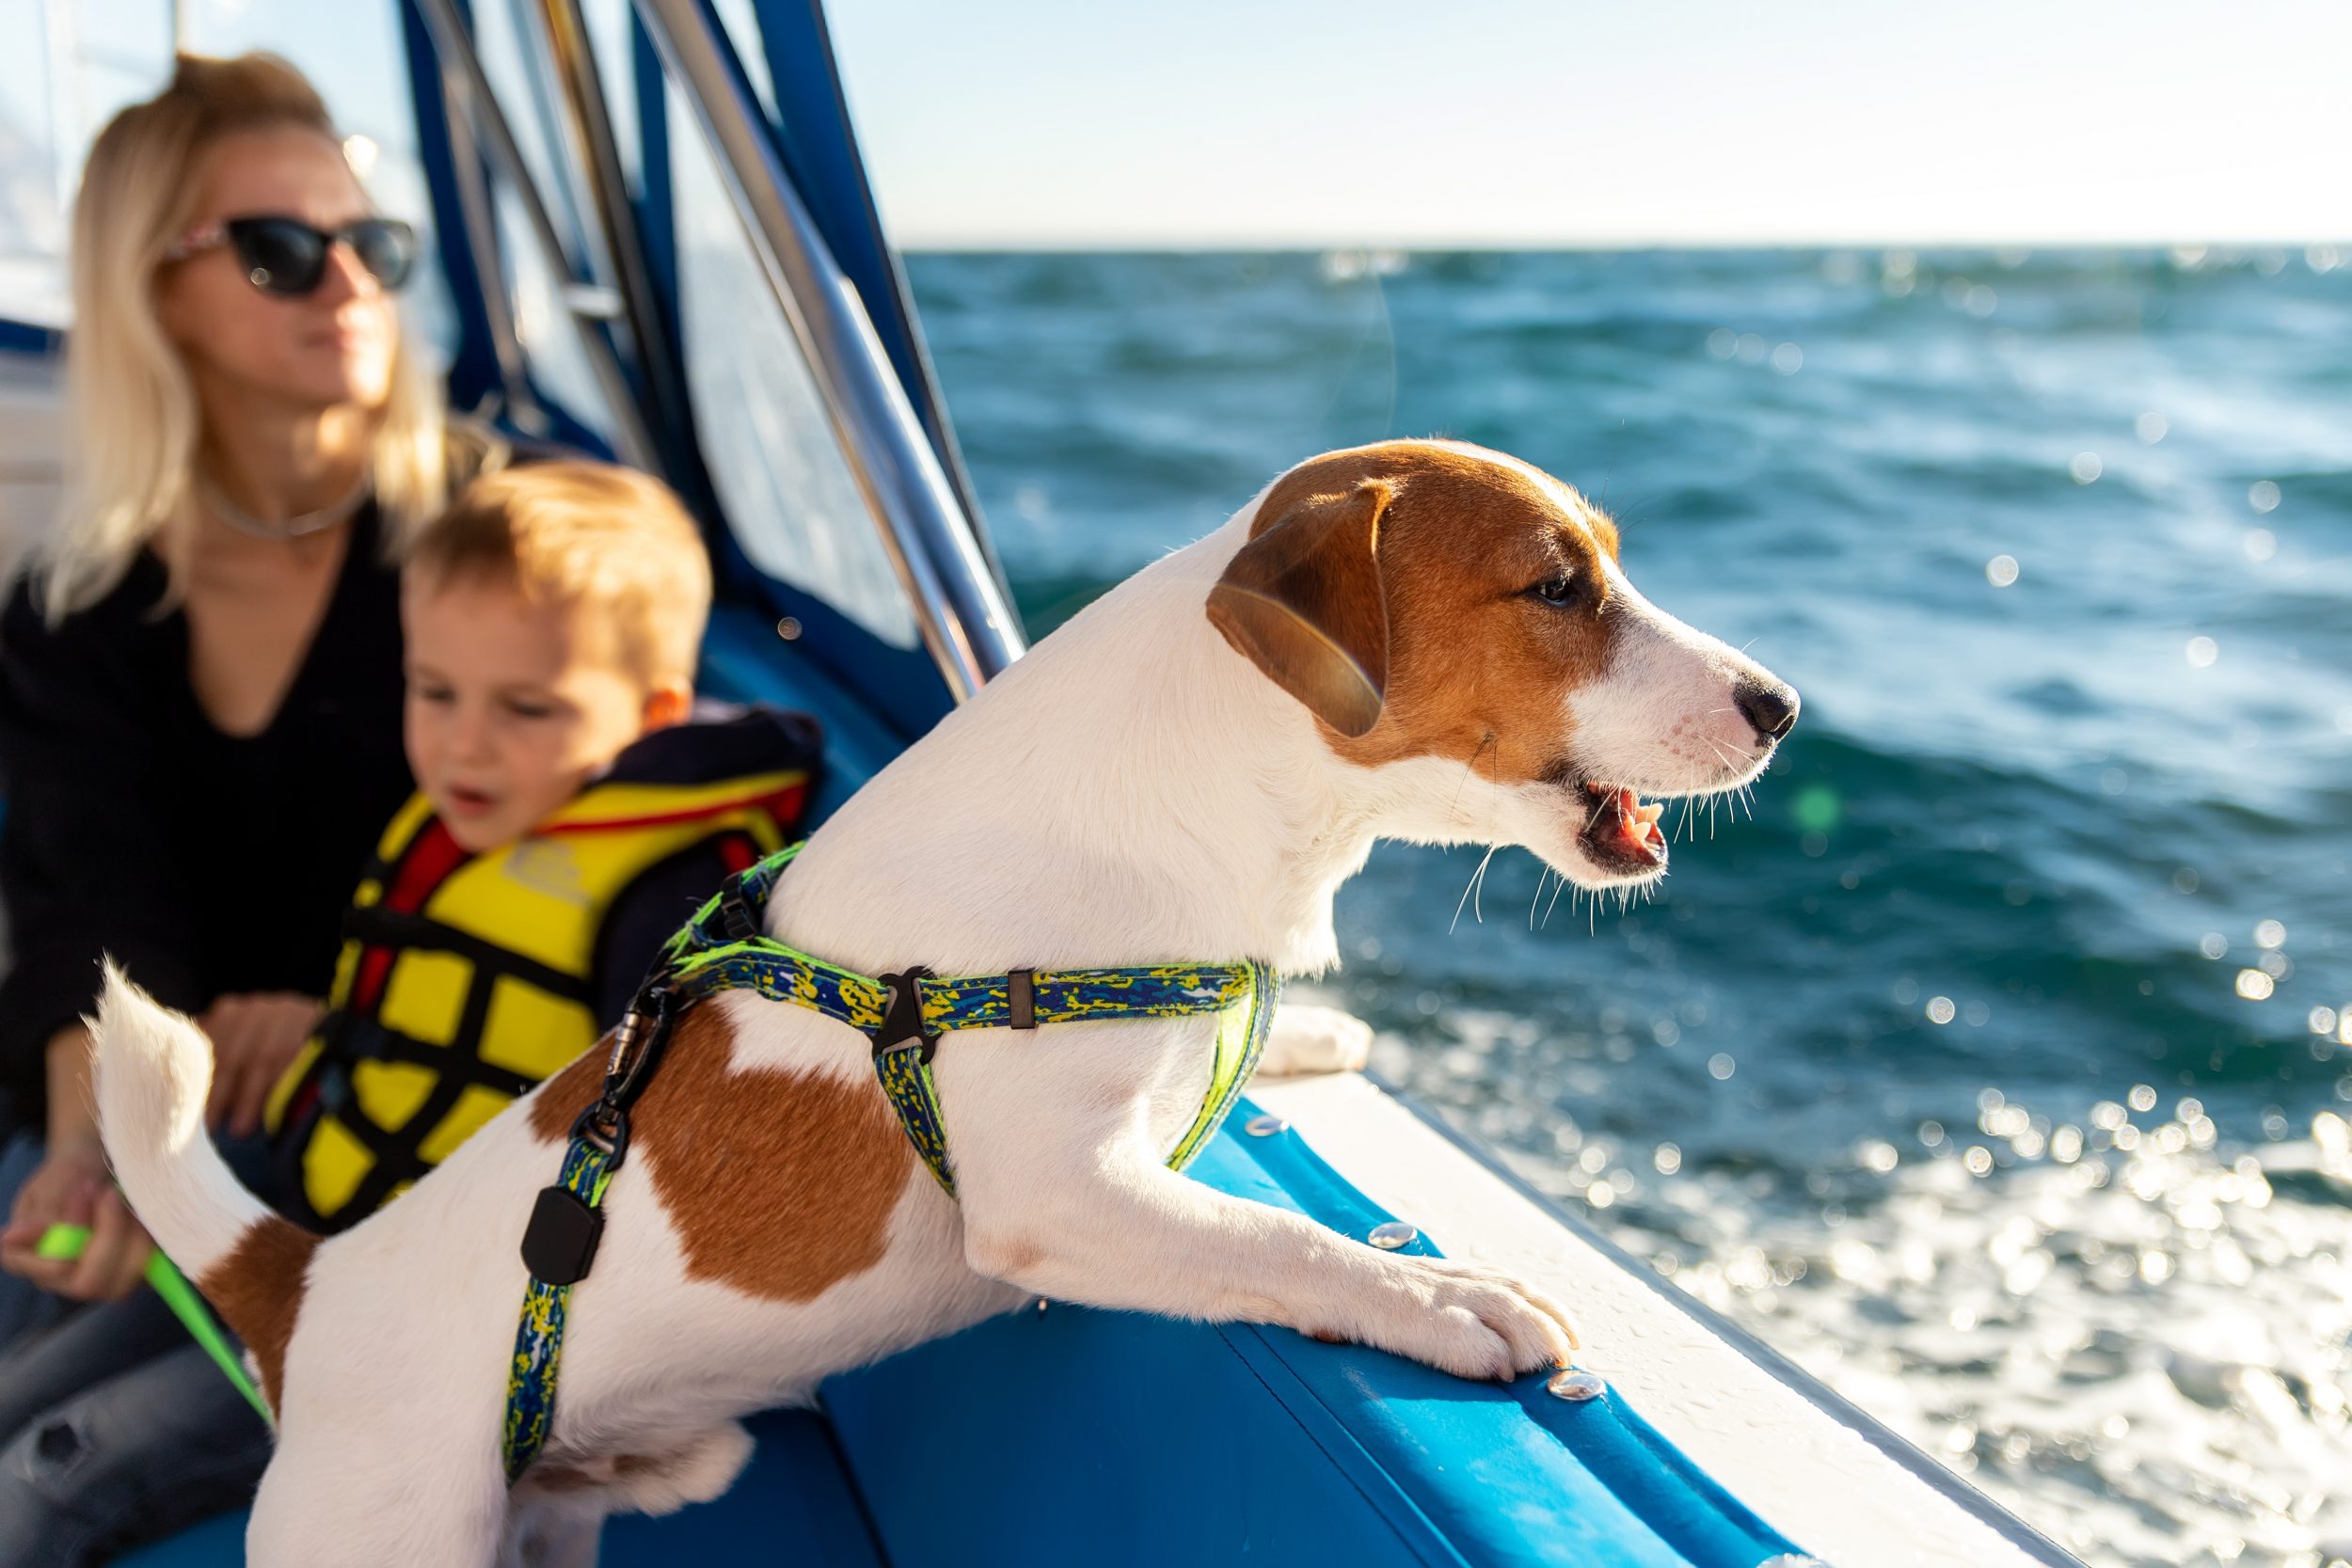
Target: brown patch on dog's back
pixel 561 1098
pixel 258 1288
pixel 780 1185
pixel 1477 670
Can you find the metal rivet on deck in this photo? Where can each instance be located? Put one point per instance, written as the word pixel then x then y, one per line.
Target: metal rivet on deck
pixel 1265 1125
pixel 789 628
pixel 1392 1235
pixel 1574 1385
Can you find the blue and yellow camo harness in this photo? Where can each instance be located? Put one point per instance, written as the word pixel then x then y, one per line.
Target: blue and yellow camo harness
pixel 724 948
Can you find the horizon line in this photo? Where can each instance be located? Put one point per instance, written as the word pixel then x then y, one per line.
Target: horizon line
pixel 1308 247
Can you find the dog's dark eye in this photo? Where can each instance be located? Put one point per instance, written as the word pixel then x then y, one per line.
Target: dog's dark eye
pixel 1556 591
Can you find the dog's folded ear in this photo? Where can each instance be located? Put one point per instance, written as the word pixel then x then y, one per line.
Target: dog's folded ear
pixel 1303 601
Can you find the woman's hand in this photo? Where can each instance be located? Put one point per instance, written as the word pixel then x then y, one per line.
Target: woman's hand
pixel 69 1187
pixel 255 1036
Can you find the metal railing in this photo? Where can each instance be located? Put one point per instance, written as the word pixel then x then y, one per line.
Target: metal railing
pixel 960 611
pixel 461 67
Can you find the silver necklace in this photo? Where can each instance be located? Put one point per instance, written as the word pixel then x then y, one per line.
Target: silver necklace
pixel 292 528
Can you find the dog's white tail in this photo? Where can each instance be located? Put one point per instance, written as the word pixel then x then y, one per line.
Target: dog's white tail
pixel 155 1070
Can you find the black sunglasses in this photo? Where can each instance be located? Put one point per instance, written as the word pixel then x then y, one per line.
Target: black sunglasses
pixel 286 257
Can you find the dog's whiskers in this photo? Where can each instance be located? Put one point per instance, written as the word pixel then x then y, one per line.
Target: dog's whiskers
pixel 1477 878
pixel 1555 899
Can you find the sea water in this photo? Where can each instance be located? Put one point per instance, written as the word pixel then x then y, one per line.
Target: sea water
pixel 1990 1057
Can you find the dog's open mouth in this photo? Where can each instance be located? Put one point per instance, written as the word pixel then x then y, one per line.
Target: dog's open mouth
pixel 1621 832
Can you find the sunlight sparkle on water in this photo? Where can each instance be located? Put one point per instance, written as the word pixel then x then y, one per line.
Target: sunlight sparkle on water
pixel 2263 495
pixel 2001 570
pixel 2202 652
pixel 2084 467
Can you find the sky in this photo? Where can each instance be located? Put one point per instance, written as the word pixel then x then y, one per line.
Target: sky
pixel 1208 123
pixel 1522 123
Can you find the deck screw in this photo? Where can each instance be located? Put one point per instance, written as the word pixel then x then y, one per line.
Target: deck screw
pixel 789 628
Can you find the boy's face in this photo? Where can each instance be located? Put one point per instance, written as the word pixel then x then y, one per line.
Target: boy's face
pixel 514 703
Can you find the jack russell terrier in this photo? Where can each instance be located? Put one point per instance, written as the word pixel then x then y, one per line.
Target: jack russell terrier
pixel 1419 639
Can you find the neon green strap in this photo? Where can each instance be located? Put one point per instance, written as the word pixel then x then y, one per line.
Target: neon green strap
pixel 64 1242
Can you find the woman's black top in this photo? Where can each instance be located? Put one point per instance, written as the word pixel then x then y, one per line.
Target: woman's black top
pixel 205 863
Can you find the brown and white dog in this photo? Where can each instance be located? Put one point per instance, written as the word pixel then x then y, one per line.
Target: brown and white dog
pixel 1419 639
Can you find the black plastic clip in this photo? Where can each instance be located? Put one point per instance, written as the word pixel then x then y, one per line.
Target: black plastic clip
pixel 560 1243
pixel 902 1018
pixel 736 912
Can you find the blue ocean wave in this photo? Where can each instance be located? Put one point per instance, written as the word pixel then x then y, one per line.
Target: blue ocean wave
pixel 2037 924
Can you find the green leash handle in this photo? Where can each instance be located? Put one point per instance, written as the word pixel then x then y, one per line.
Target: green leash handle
pixel 64 1242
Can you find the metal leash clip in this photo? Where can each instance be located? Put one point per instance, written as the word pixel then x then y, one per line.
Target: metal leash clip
pixel 637 1044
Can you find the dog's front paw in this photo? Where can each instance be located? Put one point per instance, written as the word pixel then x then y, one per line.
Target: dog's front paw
pixel 1471 1321
pixel 1309 1038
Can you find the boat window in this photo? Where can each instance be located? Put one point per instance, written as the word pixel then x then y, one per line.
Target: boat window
pixel 612 39
pixel 546 327
pixel 742 30
pixel 64 72
pixel 767 437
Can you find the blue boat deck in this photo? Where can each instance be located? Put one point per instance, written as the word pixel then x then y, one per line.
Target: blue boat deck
pixel 1074 1436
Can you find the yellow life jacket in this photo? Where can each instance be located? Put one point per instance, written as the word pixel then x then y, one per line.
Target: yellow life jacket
pixel 465 979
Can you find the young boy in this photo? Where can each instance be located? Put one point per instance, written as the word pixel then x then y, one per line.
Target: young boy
pixel 571 811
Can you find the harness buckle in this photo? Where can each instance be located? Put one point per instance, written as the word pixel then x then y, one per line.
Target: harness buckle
pixel 560 1243
pixel 902 1018
pixel 736 912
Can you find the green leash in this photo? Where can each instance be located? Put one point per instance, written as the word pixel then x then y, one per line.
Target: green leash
pixel 65 1242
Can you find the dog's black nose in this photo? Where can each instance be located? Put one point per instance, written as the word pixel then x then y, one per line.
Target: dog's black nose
pixel 1771 708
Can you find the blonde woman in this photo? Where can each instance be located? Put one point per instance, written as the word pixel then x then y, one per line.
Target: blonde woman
pixel 200 684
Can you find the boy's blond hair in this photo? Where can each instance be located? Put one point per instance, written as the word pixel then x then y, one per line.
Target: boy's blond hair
pixel 583 534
